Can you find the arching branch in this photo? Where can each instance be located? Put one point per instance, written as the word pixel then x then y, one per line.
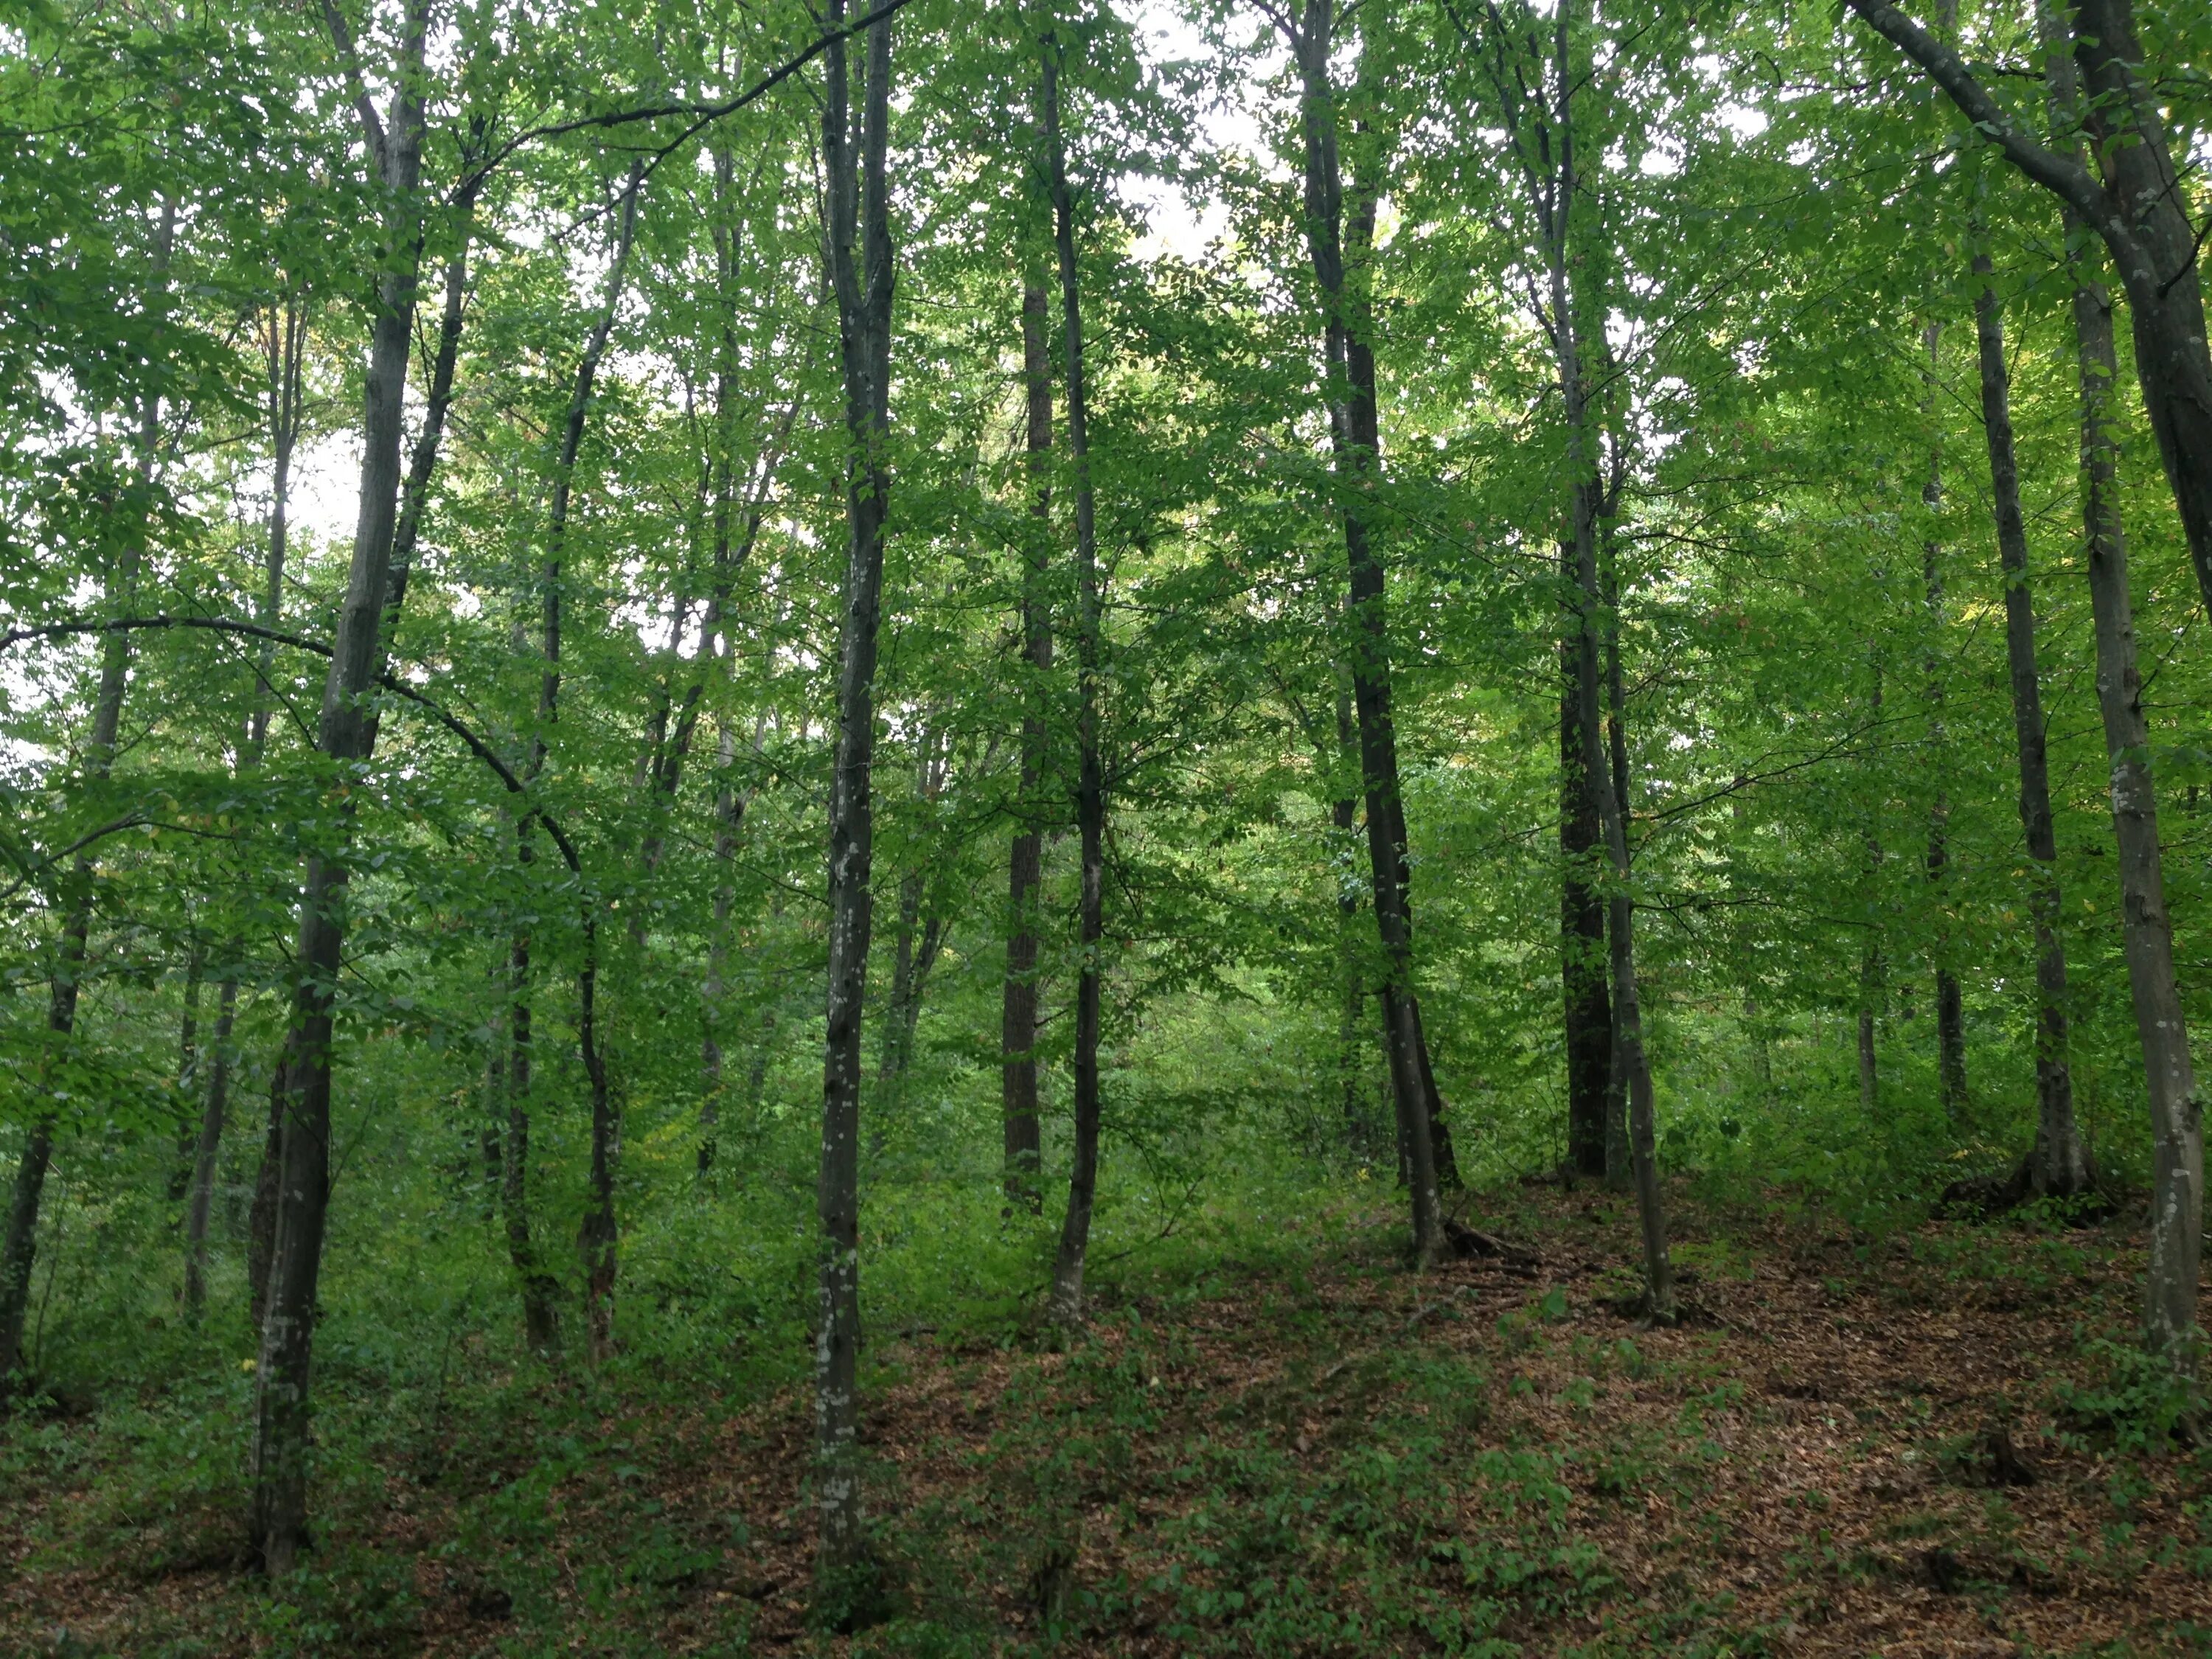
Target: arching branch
pixel 387 680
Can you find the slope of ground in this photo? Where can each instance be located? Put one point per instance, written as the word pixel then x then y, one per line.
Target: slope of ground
pixel 1927 1443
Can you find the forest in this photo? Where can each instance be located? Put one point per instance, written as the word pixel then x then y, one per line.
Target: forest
pixel 1121 827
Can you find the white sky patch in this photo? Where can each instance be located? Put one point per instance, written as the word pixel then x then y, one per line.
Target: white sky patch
pixel 1183 226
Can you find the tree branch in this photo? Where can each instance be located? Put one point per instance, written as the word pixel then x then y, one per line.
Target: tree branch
pixel 387 680
pixel 706 114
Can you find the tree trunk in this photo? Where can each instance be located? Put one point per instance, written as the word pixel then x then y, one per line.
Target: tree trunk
pixel 1018 1026
pixel 1091 778
pixel 1356 440
pixel 1589 1005
pixel 1351 977
pixel 344 736
pixel 285 349
pixel 207 1148
pixel 19 1250
pixel 1950 1005
pixel 541 1291
pixel 858 246
pixel 1620 1140
pixel 2059 1166
pixel 596 1233
pixel 188 1067
pixel 2176 1209
pixel 1553 196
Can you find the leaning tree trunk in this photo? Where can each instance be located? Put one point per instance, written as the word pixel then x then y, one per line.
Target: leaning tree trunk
pixel 20 1247
pixel 345 736
pixel 1091 778
pixel 1018 1024
pixel 858 244
pixel 2059 1166
pixel 1356 440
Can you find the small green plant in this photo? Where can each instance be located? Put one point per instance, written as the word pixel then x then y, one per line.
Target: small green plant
pixel 2140 1403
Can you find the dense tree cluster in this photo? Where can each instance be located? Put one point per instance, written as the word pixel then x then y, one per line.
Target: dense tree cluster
pixel 612 608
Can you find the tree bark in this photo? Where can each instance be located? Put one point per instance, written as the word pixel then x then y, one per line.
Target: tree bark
pixel 2059 1166
pixel 1090 779
pixel 1356 440
pixel 19 1250
pixel 1018 1024
pixel 345 735
pixel 858 247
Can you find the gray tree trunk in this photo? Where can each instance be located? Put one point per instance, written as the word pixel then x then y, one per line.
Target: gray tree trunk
pixel 2059 1166
pixel 1356 439
pixel 858 246
pixel 1091 778
pixel 1018 1024
pixel 345 735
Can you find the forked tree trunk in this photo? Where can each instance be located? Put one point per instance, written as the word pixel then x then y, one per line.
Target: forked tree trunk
pixel 1018 1026
pixel 2059 1166
pixel 1091 778
pixel 345 735
pixel 19 1250
pixel 1356 440
pixel 857 243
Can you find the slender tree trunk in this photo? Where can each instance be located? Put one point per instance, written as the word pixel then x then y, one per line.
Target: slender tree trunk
pixel 285 348
pixel 1091 778
pixel 2059 1164
pixel 1950 1005
pixel 2177 1210
pixel 1589 1005
pixel 1351 970
pixel 541 1291
pixel 1018 1026
pixel 596 1233
pixel 1620 1140
pixel 188 1066
pixel 2177 1129
pixel 344 736
pixel 726 812
pixel 1555 198
pixel 1356 439
pixel 207 1148
pixel 1874 966
pixel 858 246
pixel 19 1250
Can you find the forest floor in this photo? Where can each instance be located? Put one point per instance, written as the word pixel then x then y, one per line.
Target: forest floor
pixel 1927 1442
